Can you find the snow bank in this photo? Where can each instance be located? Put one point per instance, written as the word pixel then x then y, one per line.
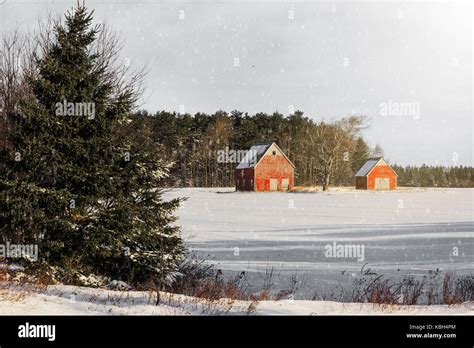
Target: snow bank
pixel 70 300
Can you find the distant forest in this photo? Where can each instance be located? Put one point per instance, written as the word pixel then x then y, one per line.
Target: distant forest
pixel 324 153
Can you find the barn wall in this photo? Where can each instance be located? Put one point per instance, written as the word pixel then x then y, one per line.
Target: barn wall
pixel 244 179
pixel 382 171
pixel 361 182
pixel 273 167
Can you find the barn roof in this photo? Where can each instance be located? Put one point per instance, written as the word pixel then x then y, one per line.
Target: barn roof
pixel 255 154
pixel 367 167
pixel 252 156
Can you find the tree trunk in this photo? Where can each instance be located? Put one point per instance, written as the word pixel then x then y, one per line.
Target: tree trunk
pixel 157 289
pixel 326 182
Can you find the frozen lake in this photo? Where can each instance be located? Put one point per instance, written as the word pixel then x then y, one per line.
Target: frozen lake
pixel 325 238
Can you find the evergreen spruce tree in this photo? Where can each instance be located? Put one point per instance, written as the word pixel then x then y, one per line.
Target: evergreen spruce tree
pixel 361 154
pixel 377 151
pixel 71 183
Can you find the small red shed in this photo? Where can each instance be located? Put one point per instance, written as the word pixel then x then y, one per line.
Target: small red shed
pixel 265 168
pixel 376 174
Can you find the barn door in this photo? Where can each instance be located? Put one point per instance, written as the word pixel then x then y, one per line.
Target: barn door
pixel 382 183
pixel 285 184
pixel 273 184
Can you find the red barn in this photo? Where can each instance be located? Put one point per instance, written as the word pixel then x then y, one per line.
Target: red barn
pixel 265 168
pixel 376 174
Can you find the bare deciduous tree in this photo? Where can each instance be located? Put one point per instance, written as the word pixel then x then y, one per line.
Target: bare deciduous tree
pixel 330 141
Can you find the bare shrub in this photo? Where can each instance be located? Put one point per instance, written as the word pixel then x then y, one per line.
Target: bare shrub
pixel 457 289
pixel 199 279
pixel 408 289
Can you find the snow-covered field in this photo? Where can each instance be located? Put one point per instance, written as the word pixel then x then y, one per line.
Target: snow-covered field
pixel 69 300
pixel 408 231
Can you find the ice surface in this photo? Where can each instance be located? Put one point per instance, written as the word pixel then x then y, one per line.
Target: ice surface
pixel 408 231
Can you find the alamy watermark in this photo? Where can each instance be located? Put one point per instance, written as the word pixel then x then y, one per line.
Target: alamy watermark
pixel 66 108
pixel 236 156
pixel 345 251
pixel 19 251
pixel 406 109
pixel 28 330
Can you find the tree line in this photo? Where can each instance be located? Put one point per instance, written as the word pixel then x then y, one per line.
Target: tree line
pixel 324 153
pixel 435 176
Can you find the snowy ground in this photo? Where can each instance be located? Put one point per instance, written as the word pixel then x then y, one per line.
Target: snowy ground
pixel 69 300
pixel 408 231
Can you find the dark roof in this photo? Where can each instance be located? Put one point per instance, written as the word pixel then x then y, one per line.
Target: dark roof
pixel 255 154
pixel 367 167
pixel 252 157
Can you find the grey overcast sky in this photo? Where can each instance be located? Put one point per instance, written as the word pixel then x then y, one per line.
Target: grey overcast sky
pixel 407 66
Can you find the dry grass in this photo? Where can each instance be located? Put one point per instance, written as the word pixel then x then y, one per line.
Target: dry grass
pixel 13 292
pixel 201 280
pixel 207 290
pixel 430 289
pixel 216 294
